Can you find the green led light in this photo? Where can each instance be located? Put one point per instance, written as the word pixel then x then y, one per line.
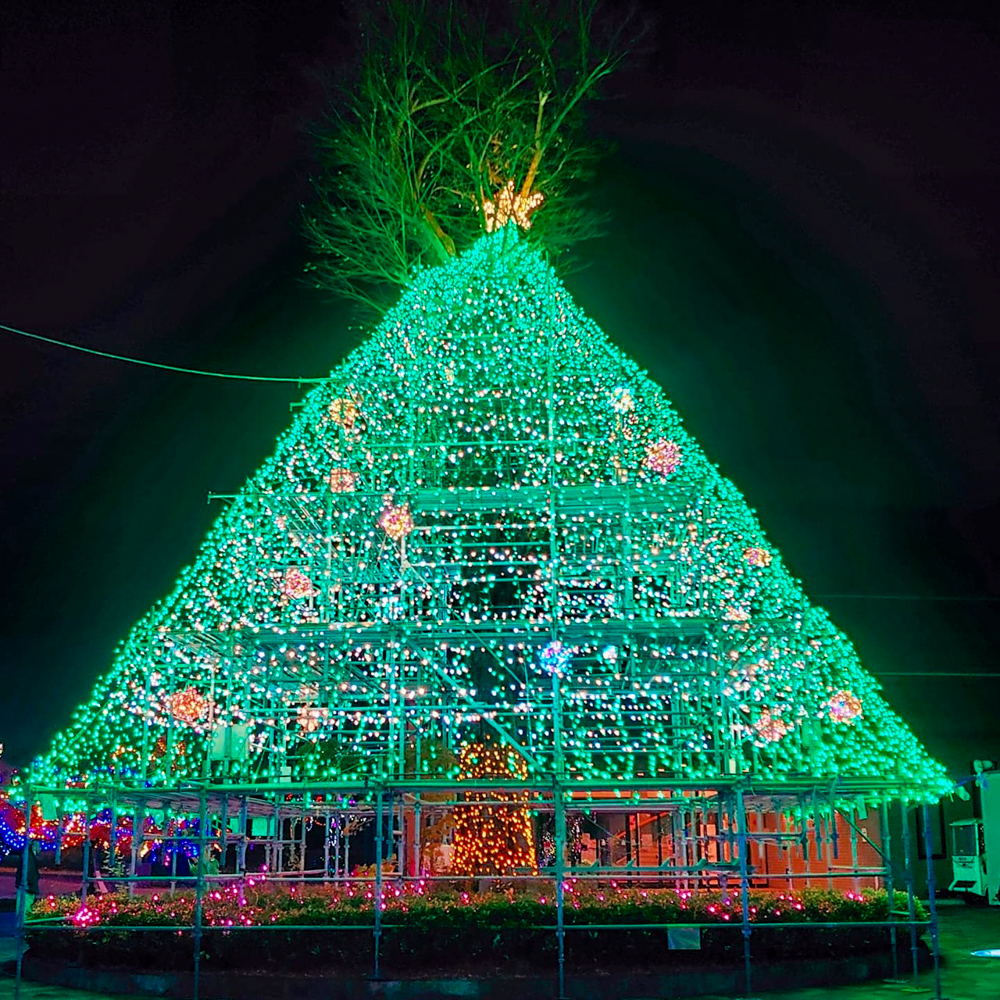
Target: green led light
pixel 489 521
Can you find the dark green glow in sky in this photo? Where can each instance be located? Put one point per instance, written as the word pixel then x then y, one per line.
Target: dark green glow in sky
pixel 804 221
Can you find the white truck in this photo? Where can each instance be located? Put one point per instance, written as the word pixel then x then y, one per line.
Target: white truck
pixel 975 843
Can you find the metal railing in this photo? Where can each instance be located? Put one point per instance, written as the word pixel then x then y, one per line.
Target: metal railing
pixel 714 851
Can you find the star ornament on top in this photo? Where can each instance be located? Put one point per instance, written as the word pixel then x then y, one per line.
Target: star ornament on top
pixel 509 203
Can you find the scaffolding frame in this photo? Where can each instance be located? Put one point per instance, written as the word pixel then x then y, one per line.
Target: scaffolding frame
pixel 497 554
pixel 700 853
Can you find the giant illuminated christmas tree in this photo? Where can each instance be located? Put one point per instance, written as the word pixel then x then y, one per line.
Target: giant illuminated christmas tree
pixel 488 524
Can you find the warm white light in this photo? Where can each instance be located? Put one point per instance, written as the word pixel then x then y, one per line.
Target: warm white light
pixel 511 204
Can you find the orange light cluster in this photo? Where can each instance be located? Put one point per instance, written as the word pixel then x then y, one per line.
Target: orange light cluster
pixel 756 556
pixel 296 584
pixel 310 717
pixel 396 522
pixel 845 706
pixel 770 728
pixel 188 705
pixel 342 480
pixel 345 413
pixel 495 836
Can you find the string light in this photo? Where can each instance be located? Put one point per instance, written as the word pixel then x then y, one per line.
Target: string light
pixel 509 204
pixel 549 498
pixel 396 522
pixel 663 456
pixel 297 584
pixel 187 705
pixel 845 707
pixel 494 836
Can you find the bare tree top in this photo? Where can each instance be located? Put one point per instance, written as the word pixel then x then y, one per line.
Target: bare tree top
pixel 463 117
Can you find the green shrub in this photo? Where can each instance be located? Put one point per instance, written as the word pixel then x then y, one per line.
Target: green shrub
pixel 445 930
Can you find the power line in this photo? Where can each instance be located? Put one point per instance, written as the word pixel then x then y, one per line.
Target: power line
pixel 313 381
pixel 970 599
pixel 933 673
pixel 155 364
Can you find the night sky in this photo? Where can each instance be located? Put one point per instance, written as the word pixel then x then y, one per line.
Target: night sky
pixel 802 251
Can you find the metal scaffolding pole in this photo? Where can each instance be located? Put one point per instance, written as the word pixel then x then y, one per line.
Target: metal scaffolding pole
pixel 60 822
pixel 86 852
pixel 854 855
pixel 224 833
pixel 377 932
pixel 399 836
pixel 417 866
pixel 560 831
pixel 22 897
pixel 741 831
pixel 932 902
pixel 889 886
pixel 242 859
pixel 910 905
pixel 326 844
pixel 199 887
pixel 347 849
pixel 302 839
pixel 173 853
pixel 560 870
pixel 134 853
pixel 278 844
pixel 113 841
pixel 337 845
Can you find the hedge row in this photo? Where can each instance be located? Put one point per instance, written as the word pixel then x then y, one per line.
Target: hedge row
pixel 454 932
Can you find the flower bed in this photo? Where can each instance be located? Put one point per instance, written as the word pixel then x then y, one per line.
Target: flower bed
pixel 448 931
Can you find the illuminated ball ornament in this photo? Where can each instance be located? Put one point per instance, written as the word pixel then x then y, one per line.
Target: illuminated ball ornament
pixel 310 718
pixel 742 678
pixel 396 521
pixel 770 728
pixel 663 457
pixel 844 707
pixel 555 658
pixel 342 480
pixel 188 705
pixel 296 584
pixel 757 557
pixel 345 412
pixel 622 400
